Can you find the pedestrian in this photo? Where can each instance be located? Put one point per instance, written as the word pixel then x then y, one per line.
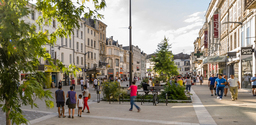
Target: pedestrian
pixel 150 82
pixel 179 81
pixel 184 81
pixel 188 84
pixel 201 79
pixel 211 84
pixel 246 79
pixel 60 99
pixel 72 105
pixel 253 81
pixel 95 81
pixel 133 95
pixel 73 83
pixel 80 105
pixel 219 85
pixel 234 85
pixel 60 83
pixel 86 82
pixel 82 84
pixel 86 94
pixel 226 86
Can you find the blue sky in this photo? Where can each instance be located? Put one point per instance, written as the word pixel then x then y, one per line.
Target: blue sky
pixel 178 20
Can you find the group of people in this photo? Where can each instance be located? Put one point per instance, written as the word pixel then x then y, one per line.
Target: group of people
pixel 221 84
pixel 80 101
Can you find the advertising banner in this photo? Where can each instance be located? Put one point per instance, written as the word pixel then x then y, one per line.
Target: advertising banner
pixel 205 39
pixel 216 25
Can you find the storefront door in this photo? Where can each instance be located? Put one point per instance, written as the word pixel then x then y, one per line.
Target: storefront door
pixel 246 72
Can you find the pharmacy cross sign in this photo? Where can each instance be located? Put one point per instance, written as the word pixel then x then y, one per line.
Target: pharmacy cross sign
pixel 198 54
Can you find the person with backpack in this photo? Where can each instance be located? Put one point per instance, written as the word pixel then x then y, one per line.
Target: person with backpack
pixel 60 99
pixel 86 97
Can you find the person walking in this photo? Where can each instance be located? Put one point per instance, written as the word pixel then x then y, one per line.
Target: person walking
pixel 95 81
pixel 201 79
pixel 133 95
pixel 179 81
pixel 211 84
pixel 60 83
pixel 188 84
pixel 219 85
pixel 82 84
pixel 86 94
pixel 234 85
pixel 86 82
pixel 226 86
pixel 72 105
pixel 119 81
pixel 73 83
pixel 253 82
pixel 60 99
pixel 80 105
pixel 246 79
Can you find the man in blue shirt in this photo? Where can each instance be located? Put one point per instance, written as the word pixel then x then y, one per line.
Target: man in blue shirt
pixel 211 84
pixel 253 80
pixel 220 84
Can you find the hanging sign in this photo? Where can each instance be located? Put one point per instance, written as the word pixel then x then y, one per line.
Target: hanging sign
pixel 246 51
pixel 216 25
pixel 205 39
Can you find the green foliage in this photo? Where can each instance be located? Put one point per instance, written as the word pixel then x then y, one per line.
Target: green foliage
pixel 174 92
pixel 163 60
pixel 111 90
pixel 21 46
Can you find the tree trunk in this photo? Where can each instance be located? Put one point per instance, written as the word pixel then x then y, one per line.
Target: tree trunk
pixel 8 121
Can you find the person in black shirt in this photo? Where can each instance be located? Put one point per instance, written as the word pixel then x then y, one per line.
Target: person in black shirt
pixel 60 99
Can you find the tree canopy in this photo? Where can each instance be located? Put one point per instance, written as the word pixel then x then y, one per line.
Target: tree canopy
pixel 21 46
pixel 163 59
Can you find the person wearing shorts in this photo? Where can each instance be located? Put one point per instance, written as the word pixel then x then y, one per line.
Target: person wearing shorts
pixel 60 99
pixel 211 84
pixel 72 105
pixel 253 81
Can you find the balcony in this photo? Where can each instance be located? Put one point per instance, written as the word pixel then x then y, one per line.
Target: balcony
pixel 250 4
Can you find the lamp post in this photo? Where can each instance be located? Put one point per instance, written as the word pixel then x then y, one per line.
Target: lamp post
pixel 130 54
pixel 85 65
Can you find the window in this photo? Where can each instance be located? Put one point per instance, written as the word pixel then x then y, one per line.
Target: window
pixel 117 62
pixel 81 34
pixel 242 37
pixel 69 43
pixel 109 43
pixel 110 63
pixel 94 55
pixel 88 42
pixel 77 60
pixel 231 42
pixel 103 36
pixel 62 57
pixel 94 44
pixel 82 60
pixel 81 25
pixel 88 55
pixel 91 55
pixel 70 59
pixel 77 31
pixel 66 42
pixel 88 31
pixel 91 32
pixel 235 43
pixel 109 51
pixel 94 33
pixel 100 36
pixel 53 24
pixel 61 41
pixel 88 65
pixel 77 46
pixel 33 15
pixel 248 36
pixel 91 43
pixel 82 47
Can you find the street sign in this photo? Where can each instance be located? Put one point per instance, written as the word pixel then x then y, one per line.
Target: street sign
pixel 246 51
pixel 198 54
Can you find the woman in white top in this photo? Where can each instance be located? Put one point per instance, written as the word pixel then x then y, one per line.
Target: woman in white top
pixel 197 79
pixel 150 82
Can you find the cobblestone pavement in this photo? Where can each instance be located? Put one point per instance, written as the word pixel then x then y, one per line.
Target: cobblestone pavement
pixel 29 115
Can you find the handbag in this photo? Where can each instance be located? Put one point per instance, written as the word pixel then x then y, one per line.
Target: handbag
pixel 89 96
pixel 192 83
pixel 68 100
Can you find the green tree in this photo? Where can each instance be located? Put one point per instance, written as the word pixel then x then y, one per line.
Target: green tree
pixel 21 46
pixel 163 59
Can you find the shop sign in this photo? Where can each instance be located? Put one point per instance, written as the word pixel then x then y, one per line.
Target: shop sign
pixel 222 65
pixel 216 25
pixel 246 51
pixel 205 39
pixel 110 71
pixel 232 54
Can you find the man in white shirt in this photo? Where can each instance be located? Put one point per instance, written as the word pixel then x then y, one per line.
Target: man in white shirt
pixel 95 83
pixel 119 81
pixel 82 84
pixel 86 82
pixel 234 86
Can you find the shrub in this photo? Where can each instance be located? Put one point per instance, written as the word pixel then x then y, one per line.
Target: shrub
pixel 174 92
pixel 111 89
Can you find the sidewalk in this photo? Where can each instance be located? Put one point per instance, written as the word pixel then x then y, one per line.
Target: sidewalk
pixel 205 109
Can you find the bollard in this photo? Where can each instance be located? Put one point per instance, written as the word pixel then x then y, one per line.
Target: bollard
pixel 166 97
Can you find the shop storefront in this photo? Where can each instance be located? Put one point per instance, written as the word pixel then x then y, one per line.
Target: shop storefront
pixel 246 66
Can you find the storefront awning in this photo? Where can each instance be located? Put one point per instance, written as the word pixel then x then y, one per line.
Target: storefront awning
pixel 214 59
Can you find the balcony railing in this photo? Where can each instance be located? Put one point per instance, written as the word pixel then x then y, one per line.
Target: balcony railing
pixel 250 4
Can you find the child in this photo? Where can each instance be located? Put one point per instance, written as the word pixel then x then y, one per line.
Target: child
pixel 80 105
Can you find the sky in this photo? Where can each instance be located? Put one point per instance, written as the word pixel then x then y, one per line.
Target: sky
pixel 152 20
